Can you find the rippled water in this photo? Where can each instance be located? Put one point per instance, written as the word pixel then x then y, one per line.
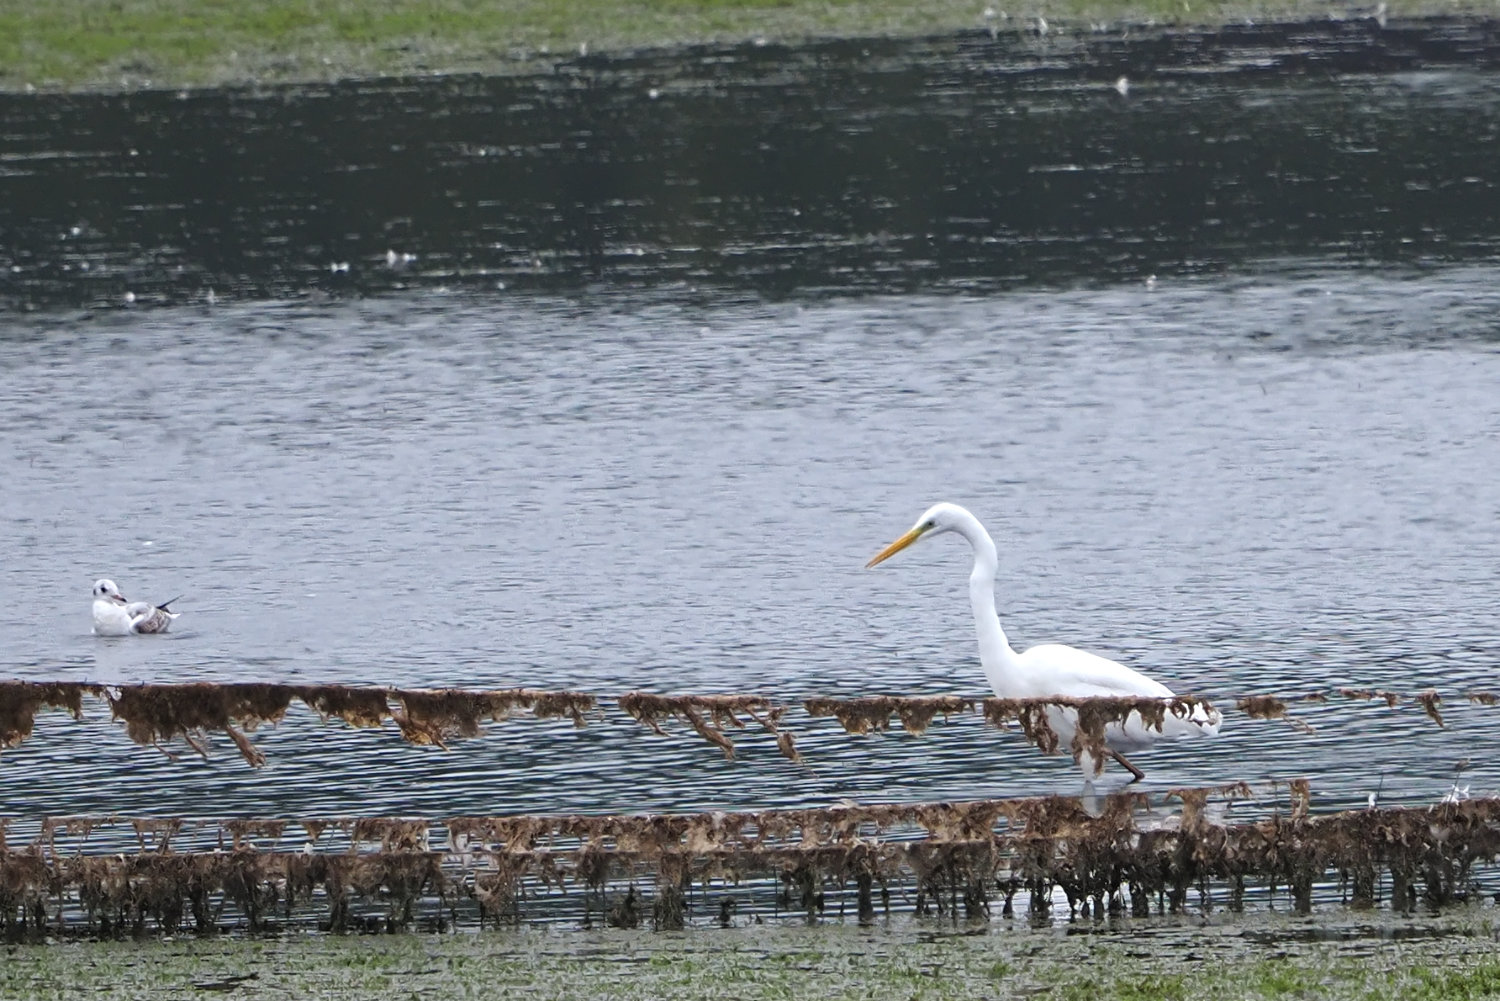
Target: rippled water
pixel 1271 484
pixel 1278 473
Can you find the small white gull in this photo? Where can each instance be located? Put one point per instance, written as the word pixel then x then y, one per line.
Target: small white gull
pixel 114 616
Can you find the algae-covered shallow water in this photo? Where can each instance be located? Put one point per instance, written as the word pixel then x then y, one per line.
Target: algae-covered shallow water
pixel 1370 957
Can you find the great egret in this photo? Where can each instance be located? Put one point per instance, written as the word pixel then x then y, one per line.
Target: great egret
pixel 114 616
pixel 1050 669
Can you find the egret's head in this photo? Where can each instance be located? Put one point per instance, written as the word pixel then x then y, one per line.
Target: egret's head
pixel 106 589
pixel 935 520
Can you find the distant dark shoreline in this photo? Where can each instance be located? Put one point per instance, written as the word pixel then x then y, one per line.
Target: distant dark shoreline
pixel 955 161
pixel 1367 39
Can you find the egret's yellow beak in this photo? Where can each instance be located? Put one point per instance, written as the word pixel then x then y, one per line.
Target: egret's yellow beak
pixel 895 547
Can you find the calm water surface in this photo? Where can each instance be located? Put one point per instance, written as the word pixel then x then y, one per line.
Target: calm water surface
pixel 1272 467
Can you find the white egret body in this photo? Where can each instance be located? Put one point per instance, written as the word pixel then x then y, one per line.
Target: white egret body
pixel 1050 669
pixel 114 616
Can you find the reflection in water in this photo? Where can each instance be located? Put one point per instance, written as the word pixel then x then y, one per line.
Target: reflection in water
pixel 1271 468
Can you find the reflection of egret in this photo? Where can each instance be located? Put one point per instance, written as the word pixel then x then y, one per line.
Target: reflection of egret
pixel 1050 669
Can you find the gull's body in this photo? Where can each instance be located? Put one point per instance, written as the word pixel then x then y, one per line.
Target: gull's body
pixel 1050 669
pixel 114 616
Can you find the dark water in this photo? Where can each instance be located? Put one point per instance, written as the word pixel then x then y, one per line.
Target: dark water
pixel 840 167
pixel 1215 361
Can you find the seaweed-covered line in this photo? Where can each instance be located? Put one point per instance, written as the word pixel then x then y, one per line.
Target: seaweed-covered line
pixel 842 823
pixel 157 715
pixel 1124 856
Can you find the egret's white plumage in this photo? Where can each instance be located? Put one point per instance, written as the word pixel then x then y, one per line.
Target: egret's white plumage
pixel 1050 669
pixel 114 616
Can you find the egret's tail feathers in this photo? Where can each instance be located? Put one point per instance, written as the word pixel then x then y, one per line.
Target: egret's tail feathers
pixel 1203 721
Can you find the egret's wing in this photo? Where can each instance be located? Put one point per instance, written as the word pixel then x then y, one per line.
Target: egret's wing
pixel 1080 674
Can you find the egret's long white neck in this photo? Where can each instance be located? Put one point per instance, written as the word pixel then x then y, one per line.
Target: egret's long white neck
pixel 995 654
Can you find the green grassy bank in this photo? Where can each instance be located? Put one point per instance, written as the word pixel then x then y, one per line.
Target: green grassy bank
pixel 1267 957
pixel 122 44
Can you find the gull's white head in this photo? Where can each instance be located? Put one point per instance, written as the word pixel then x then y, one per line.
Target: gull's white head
pixel 936 520
pixel 105 589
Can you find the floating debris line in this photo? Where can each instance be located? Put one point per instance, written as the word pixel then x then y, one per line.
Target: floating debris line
pixel 157 715
pixel 1124 855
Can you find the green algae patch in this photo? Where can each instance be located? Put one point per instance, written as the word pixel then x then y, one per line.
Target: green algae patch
pixel 128 44
pixel 1272 957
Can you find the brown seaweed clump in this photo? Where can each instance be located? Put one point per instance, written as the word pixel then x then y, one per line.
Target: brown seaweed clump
pixel 709 715
pixel 154 714
pixel 395 834
pixel 1392 699
pixel 1301 797
pixel 864 715
pixel 20 700
pixel 363 708
pixel 1430 701
pixel 1032 717
pixel 243 833
pixel 435 717
pixel 1271 707
pixel 1093 716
